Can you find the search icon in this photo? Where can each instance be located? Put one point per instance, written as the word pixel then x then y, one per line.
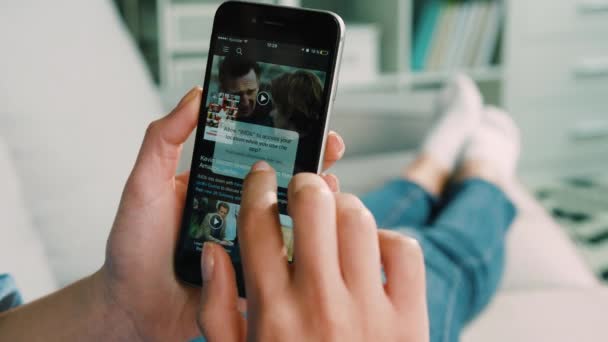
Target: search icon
pixel 239 51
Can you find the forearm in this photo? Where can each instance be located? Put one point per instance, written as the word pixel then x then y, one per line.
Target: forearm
pixel 78 312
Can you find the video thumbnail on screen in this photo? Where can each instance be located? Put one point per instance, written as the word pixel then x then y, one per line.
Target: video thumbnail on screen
pixel 216 221
pixel 261 111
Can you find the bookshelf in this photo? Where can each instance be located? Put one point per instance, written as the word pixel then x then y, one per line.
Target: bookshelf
pixel 398 22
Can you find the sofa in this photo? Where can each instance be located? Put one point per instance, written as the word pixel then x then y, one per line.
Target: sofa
pixel 75 100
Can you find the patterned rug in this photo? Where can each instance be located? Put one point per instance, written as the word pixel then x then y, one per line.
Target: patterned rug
pixel 580 206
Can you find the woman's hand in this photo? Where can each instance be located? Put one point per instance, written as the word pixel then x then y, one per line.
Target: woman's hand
pixel 333 291
pixel 138 280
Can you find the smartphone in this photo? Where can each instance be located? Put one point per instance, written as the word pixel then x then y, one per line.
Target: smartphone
pixel 269 87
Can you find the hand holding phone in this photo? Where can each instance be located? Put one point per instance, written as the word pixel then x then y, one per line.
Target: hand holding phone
pixel 138 273
pixel 333 291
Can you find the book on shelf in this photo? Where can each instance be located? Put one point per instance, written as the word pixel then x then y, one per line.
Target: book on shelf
pixel 428 16
pixel 456 34
pixel 458 39
pixel 471 35
pixel 441 35
pixel 478 33
pixel 490 40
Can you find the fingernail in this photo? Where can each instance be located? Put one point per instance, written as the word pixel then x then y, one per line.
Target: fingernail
pixel 261 166
pixel 308 180
pixel 208 262
pixel 332 182
pixel 342 145
pixel 189 96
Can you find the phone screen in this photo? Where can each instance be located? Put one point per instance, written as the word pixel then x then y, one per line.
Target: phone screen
pixel 264 100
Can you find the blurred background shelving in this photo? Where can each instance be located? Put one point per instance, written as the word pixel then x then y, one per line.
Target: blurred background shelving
pixel 396 46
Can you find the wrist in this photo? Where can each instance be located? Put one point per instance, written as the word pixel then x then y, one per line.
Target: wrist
pixel 79 312
pixel 113 319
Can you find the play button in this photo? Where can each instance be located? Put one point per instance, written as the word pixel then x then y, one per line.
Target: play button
pixel 216 221
pixel 263 98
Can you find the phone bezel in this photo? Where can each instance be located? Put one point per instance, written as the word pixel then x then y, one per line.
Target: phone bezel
pixel 272 23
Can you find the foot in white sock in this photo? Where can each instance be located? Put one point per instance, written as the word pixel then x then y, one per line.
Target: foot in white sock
pixel 460 108
pixel 497 141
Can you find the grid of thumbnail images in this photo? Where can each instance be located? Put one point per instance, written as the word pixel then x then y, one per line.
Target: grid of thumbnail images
pixel 223 107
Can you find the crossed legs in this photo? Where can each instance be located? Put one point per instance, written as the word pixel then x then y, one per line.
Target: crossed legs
pixel 451 199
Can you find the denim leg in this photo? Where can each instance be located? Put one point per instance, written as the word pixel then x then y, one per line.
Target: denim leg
pixel 400 203
pixel 464 255
pixel 9 295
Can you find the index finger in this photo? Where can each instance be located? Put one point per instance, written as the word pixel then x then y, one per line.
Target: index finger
pixel 259 230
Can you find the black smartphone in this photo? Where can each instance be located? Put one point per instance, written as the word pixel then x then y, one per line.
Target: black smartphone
pixel 269 86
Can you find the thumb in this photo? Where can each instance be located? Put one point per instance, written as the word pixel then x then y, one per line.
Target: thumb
pixel 161 148
pixel 219 318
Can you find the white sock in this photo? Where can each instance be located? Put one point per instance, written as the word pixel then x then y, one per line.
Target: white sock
pixel 496 141
pixel 459 107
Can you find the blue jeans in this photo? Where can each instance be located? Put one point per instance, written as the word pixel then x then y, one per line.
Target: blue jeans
pixel 9 296
pixel 463 240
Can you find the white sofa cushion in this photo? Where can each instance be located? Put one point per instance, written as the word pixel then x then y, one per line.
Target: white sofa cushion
pixel 548 315
pixel 539 255
pixel 21 251
pixel 75 100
